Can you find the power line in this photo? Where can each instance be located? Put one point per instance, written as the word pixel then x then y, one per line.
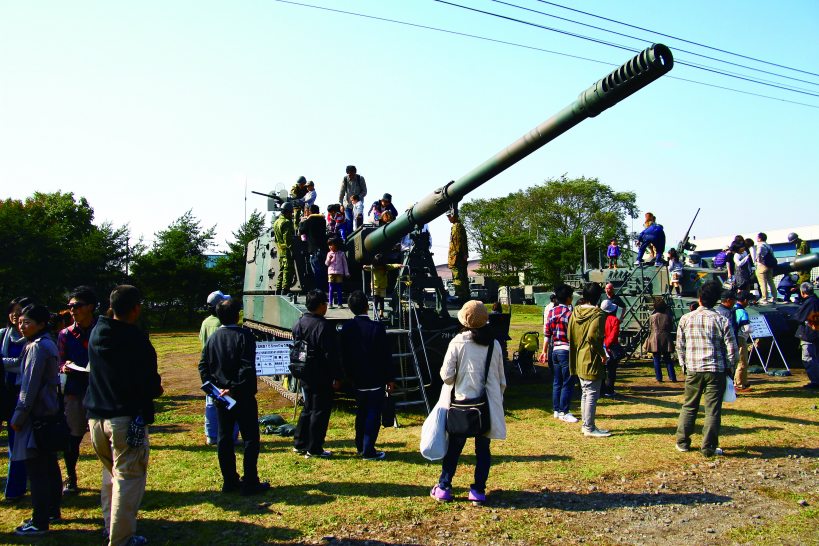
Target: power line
pixel 529 47
pixel 678 38
pixel 644 40
pixel 619 46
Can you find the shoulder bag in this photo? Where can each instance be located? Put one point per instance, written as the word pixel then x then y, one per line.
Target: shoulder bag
pixel 470 417
pixel 51 431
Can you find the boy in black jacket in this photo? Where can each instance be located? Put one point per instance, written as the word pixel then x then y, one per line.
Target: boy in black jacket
pixel 325 375
pixel 367 360
pixel 229 363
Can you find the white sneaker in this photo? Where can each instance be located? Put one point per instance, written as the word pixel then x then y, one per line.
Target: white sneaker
pixel 558 415
pixel 596 433
pixel 568 418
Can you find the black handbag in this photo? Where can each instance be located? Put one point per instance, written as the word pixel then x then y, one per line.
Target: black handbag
pixel 470 417
pixel 51 432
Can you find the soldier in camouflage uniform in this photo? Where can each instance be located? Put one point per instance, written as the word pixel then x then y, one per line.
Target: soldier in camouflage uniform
pixel 284 235
pixel 802 247
pixel 458 254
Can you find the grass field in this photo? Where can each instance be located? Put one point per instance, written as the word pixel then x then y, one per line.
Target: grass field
pixel 548 484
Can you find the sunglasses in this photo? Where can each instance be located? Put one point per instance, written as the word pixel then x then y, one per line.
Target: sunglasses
pixel 75 305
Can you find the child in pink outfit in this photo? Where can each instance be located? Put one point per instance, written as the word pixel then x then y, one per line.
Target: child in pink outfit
pixel 336 263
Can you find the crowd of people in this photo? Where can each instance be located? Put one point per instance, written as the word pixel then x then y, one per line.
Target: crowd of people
pixel 581 345
pixel 111 380
pixel 304 236
pixel 749 264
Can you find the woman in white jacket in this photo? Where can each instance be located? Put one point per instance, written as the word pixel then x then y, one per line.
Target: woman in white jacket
pixel 464 370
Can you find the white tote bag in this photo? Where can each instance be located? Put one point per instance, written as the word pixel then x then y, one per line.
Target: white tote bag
pixel 434 438
pixel 730 392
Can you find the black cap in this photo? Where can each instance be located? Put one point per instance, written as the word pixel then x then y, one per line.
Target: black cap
pixel 728 294
pixel 301 180
pixel 351 169
pixel 386 197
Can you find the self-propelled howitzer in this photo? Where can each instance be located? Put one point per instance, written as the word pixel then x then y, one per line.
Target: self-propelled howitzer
pixel 271 314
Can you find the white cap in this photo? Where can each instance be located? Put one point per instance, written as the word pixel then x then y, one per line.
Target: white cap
pixel 215 298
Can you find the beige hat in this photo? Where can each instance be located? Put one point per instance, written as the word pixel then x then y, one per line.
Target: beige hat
pixel 473 314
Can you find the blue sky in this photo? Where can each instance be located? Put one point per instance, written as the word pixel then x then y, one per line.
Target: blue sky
pixel 150 109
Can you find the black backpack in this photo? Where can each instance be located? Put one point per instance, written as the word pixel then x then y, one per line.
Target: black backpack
pixel 303 359
pixel 769 260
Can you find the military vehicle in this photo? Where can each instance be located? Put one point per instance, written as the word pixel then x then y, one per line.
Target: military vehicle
pixel 640 286
pixel 420 312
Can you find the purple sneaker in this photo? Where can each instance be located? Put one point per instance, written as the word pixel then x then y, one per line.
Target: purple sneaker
pixel 476 496
pixel 441 495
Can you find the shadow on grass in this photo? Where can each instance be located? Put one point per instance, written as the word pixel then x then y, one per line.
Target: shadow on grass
pixel 773 452
pixel 671 430
pixel 414 457
pixel 357 542
pixel 731 410
pixel 594 501
pixel 169 532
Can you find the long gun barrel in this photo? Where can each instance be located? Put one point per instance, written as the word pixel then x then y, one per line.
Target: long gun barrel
pixel 800 263
pixel 638 72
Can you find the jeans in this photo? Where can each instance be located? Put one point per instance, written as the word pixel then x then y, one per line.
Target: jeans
pixel 46 487
pixel 124 474
pixel 562 381
pixel 212 423
pixel 317 266
pixel 348 225
pixel 483 461
pixel 368 420
pixel 245 415
pixel 811 362
pixel 711 387
pixel 611 375
pixel 17 476
pixel 588 401
pixel 314 419
pixel 669 366
pixel 336 293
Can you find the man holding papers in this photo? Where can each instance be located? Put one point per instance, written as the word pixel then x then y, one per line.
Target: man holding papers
pixel 229 363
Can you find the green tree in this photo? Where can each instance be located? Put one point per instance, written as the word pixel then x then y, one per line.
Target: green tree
pixel 539 231
pixel 172 273
pixel 50 244
pixel 231 268
pixel 502 242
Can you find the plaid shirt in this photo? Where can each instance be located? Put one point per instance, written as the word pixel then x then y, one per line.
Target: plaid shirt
pixel 706 342
pixel 556 327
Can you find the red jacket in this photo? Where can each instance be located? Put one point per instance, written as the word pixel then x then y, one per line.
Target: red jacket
pixel 612 335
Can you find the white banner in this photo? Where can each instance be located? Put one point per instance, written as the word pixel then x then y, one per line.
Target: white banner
pixel 273 357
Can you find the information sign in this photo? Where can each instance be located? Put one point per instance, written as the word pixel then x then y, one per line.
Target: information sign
pixel 273 357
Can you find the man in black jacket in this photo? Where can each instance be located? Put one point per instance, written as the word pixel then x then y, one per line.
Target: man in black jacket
pixel 808 336
pixel 229 363
pixel 314 227
pixel 324 376
pixel 122 384
pixel 367 359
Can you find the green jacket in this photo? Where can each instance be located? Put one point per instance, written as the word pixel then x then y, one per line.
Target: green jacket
pixel 586 355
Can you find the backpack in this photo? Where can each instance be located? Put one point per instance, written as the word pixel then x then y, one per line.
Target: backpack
pixel 302 359
pixel 769 260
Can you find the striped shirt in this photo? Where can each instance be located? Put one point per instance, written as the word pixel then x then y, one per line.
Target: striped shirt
pixel 706 342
